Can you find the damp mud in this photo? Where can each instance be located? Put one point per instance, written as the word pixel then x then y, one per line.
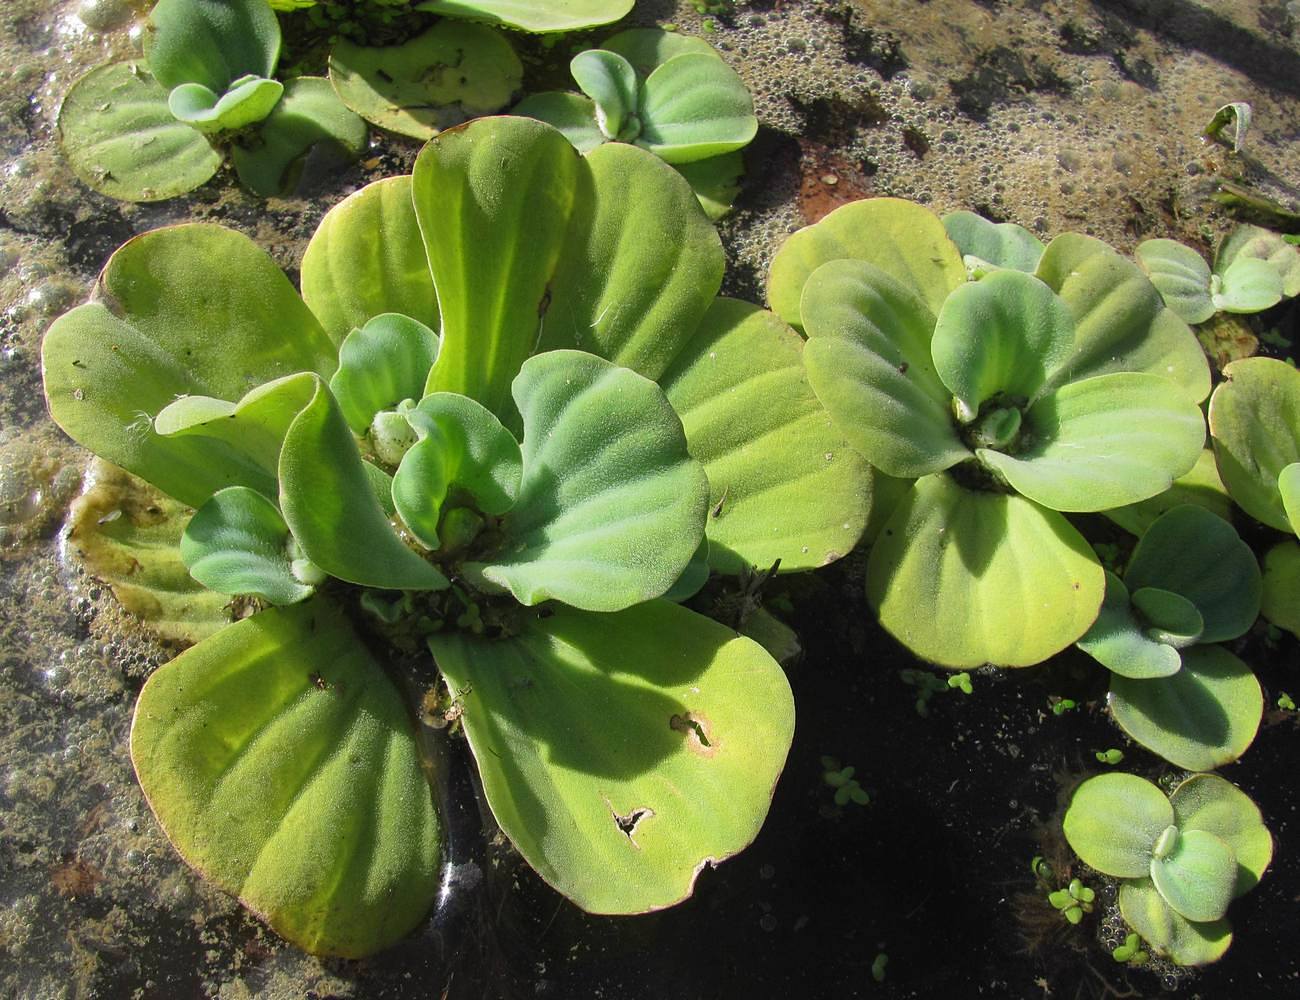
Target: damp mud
pixel 1060 115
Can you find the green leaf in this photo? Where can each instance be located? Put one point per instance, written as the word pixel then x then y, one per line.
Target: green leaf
pixel 367 257
pixel 783 483
pixel 1288 487
pixel 636 274
pixel 1120 643
pixel 694 107
pixel 310 117
pixel 1121 323
pixel 328 503
pixel 1262 244
pixel 451 73
pixel 1197 878
pixel 252 429
pixel 715 181
pixel 211 42
pixel 1201 486
pixel 1001 336
pixel 1199 556
pixel 1181 276
pixel 1002 244
pixel 965 578
pixel 121 139
pixel 612 506
pixel 1171 618
pixel 127 534
pixel 1114 821
pixel 1249 285
pixel 462 447
pixel 903 239
pixel 618 772
pixel 167 324
pixel 248 101
pixel 649 48
pixel 534 15
pixel 281 764
pixel 493 199
pixel 1168 933
pixel 1255 426
pixel 237 543
pixel 610 81
pixel 380 365
pixel 1281 600
pixel 868 359
pixel 1103 442
pixel 1239 113
pixel 1207 802
pixel 573 114
pixel 1201 718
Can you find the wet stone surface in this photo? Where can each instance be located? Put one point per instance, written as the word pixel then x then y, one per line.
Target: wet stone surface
pixel 1057 114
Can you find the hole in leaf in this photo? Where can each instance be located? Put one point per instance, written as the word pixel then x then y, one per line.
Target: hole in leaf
pixel 687 726
pixel 628 824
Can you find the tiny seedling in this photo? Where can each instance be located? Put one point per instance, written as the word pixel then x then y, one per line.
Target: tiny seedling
pixel 1062 705
pixel 846 786
pixel 1131 951
pixel 1111 756
pixel 1073 901
pixel 1285 702
pixel 878 966
pixel 961 682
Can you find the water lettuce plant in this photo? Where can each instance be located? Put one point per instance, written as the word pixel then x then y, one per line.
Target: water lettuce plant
pixel 1255 427
pixel 146 132
pixel 1181 859
pixel 495 430
pixel 1191 584
pixel 1003 403
pixel 1254 270
pixel 669 93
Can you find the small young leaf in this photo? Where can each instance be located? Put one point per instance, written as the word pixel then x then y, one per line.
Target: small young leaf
pixel 1181 276
pixel 1249 285
pixel 237 543
pixel 1238 115
pixel 1120 643
pixel 247 102
pixel 462 447
pixel 1171 618
pixel 380 365
pixel 1114 821
pixel 693 107
pixel 611 507
pixel 1000 244
pixel 1197 877
pixel 1263 244
pixel 611 82
pixel 1199 556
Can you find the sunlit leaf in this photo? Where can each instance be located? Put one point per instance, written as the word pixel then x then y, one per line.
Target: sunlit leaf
pixel 380 365
pixel 1003 244
pixel 1118 640
pixel 1207 802
pixel 247 102
pixel 1197 877
pixel 1182 940
pixel 1114 821
pixel 534 15
pixel 211 42
pixel 1180 275
pixel 694 107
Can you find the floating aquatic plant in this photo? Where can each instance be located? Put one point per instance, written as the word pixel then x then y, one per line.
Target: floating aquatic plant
pixel 154 130
pixel 1004 402
pixel 669 93
pixel 1181 859
pixel 483 433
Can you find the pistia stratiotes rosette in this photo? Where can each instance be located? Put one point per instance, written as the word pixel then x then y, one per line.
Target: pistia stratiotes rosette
pixel 145 134
pixel 1006 401
pixel 494 413
pixel 669 93
pixel 1255 427
pixel 1181 859
pixel 1191 583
